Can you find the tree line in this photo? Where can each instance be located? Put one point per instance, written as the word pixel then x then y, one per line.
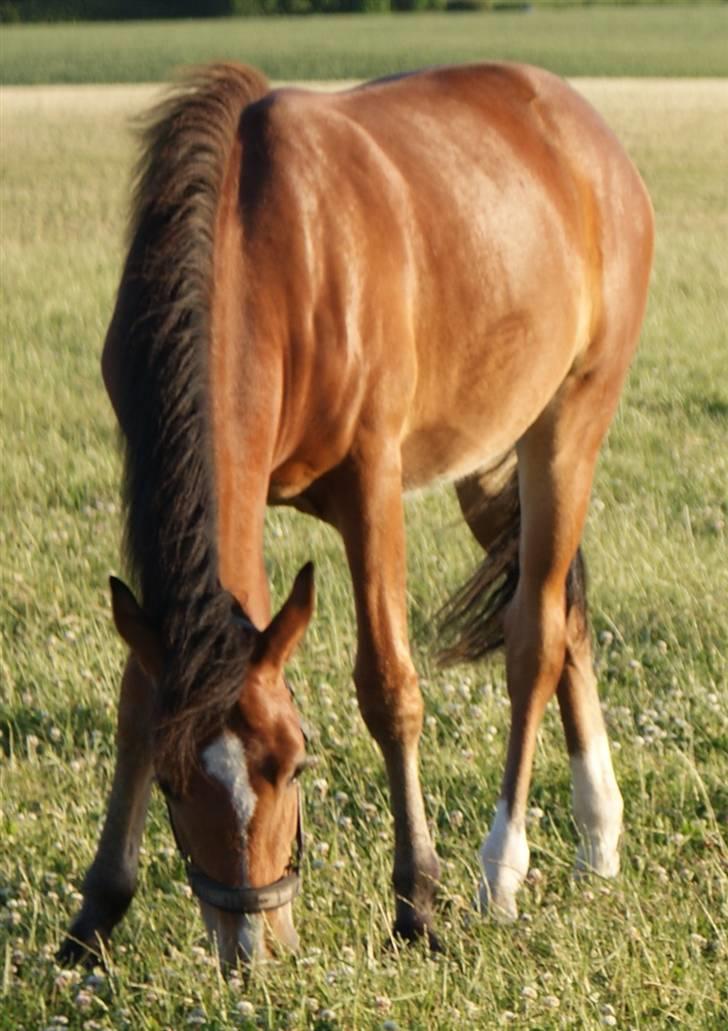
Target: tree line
pixel 118 10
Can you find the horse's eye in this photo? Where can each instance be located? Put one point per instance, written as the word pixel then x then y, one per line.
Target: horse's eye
pixel 305 764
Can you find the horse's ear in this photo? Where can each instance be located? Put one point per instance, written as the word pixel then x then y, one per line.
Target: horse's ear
pixel 135 629
pixel 280 639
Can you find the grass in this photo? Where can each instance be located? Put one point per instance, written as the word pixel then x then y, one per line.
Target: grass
pixel 655 41
pixel 646 951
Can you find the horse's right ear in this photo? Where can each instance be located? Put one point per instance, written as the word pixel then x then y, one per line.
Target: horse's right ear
pixel 135 629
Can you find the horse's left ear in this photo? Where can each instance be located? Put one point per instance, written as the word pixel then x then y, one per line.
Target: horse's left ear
pixel 280 639
pixel 135 629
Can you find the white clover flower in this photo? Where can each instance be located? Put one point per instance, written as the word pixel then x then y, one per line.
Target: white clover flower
pixel 83 1000
pixel 551 1002
pixel 321 787
pixel 245 1008
pixel 65 979
pixel 529 992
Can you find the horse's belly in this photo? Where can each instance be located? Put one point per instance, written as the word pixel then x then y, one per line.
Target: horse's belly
pixel 448 453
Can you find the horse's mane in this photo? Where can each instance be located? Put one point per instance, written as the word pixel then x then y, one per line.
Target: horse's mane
pixel 162 325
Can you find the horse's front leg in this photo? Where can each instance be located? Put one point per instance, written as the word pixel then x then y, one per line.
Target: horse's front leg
pixel 110 883
pixel 369 514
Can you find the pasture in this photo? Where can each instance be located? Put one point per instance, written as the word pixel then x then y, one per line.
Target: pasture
pixel 646 951
pixel 630 40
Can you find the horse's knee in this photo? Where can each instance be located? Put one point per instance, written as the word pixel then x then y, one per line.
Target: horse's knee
pixel 390 700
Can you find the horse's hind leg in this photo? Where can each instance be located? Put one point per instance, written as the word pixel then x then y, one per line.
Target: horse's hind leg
pixel 556 460
pixel 597 801
pixel 109 885
pixel 366 506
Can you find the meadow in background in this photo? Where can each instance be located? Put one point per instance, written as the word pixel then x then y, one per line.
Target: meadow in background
pixel 685 40
pixel 646 951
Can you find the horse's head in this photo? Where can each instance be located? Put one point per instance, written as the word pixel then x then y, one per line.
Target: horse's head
pixel 236 814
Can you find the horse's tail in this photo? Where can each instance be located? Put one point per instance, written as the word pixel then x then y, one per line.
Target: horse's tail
pixel 162 326
pixel 471 622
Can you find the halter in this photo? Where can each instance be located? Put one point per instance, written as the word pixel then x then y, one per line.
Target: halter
pixel 245 899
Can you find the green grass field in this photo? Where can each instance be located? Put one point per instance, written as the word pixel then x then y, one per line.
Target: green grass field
pixel 664 41
pixel 646 951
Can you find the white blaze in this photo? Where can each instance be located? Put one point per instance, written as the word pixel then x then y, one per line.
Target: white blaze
pixel 224 760
pixel 597 808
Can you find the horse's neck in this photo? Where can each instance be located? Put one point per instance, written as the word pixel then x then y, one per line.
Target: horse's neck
pixel 242 569
pixel 241 477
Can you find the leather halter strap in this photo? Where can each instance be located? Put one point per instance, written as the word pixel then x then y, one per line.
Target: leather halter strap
pixel 245 899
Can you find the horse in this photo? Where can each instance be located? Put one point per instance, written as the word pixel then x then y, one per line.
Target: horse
pixel 330 300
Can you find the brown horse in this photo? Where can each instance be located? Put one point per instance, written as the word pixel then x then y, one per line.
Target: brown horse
pixel 329 300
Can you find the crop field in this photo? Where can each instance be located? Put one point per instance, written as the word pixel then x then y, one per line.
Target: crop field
pixel 689 40
pixel 646 951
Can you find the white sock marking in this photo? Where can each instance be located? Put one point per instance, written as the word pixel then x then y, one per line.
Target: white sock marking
pixel 224 760
pixel 597 808
pixel 504 858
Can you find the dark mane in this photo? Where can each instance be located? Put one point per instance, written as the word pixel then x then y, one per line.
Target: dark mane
pixel 162 324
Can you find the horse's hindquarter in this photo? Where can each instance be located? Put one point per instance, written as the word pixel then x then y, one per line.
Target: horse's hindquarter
pixel 439 243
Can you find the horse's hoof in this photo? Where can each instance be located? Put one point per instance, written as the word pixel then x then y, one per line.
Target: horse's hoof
pixel 500 906
pixel 412 929
pixel 74 952
pixel 595 858
pixel 80 947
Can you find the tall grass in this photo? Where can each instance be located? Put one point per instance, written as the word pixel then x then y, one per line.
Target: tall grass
pixel 626 40
pixel 647 951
